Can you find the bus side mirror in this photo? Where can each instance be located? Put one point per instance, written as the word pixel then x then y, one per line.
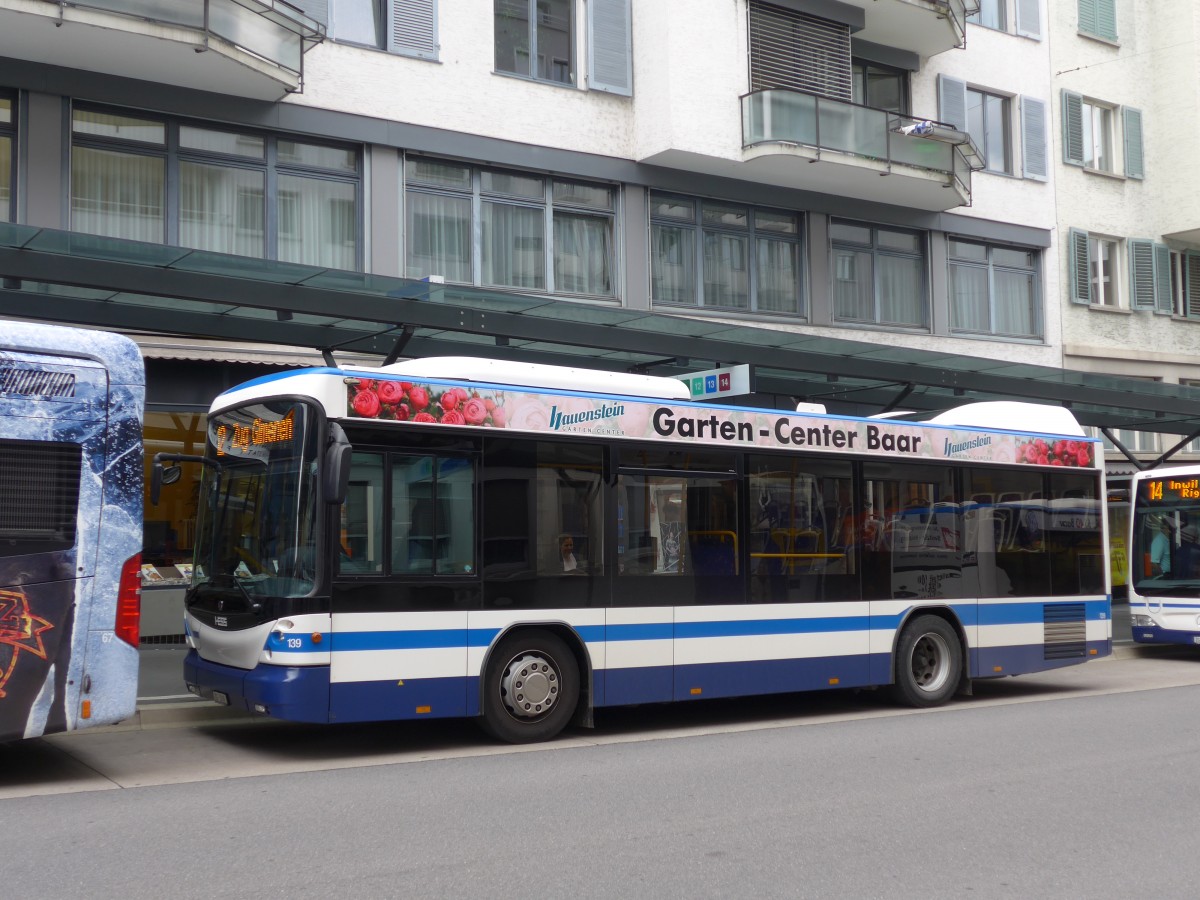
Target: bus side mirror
pixel 337 465
pixel 160 475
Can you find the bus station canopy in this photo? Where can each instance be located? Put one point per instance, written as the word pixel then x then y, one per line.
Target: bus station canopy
pixel 148 288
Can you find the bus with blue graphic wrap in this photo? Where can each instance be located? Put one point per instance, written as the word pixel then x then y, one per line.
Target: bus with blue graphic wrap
pixel 70 527
pixel 1164 564
pixel 527 544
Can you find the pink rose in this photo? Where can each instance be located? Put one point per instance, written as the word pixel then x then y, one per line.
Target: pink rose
pixel 366 404
pixel 529 414
pixel 499 417
pixel 419 397
pixel 1085 458
pixel 450 399
pixel 390 392
pixel 474 411
pixel 453 417
pixel 423 417
pixel 403 412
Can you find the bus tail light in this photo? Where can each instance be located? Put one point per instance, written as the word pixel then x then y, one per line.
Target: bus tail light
pixel 129 601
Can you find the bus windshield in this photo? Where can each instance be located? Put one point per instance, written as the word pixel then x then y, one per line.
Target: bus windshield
pixel 256 519
pixel 1166 529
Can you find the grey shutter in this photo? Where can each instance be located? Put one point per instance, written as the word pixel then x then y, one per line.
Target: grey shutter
pixel 412 28
pixel 1072 123
pixel 1163 300
pixel 1034 160
pixel 610 46
pixel 314 9
pixel 1029 18
pixel 952 102
pixel 1099 18
pixel 1081 269
pixel 792 50
pixel 1192 280
pixel 1135 162
pixel 1141 274
pixel 1087 16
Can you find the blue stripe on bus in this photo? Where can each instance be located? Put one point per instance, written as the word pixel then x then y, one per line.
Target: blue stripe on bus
pixel 743 627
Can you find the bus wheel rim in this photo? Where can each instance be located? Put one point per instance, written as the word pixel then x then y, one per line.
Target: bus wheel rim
pixel 530 685
pixel 930 662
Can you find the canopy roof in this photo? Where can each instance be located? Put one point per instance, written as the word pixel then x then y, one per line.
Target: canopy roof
pixel 131 286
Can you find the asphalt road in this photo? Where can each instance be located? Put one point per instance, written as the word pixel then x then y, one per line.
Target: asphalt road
pixel 1080 782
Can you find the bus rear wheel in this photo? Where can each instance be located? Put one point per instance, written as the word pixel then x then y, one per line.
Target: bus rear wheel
pixel 531 687
pixel 928 663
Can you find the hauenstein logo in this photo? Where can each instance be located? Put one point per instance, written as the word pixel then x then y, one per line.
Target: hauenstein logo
pixel 560 420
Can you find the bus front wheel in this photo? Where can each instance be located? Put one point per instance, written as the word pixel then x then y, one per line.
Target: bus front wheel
pixel 531 687
pixel 928 663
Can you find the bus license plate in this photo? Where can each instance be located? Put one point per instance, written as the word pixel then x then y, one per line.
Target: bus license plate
pixel 221 697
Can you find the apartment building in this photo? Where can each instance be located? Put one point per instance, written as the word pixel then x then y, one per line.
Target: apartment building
pixel 887 172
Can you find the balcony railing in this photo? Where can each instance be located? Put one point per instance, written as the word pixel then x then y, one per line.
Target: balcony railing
pixel 272 30
pixel 789 117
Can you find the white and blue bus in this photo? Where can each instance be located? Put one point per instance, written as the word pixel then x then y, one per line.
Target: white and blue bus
pixel 525 544
pixel 70 527
pixel 1164 564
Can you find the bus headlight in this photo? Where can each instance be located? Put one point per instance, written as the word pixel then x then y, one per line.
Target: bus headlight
pixel 1141 621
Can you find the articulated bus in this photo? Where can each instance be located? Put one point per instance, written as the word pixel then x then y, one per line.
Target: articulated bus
pixel 525 544
pixel 70 527
pixel 1164 580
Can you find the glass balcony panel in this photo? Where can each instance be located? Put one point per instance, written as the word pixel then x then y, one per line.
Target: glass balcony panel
pixel 922 152
pixel 245 28
pixel 187 13
pixel 780 116
pixel 853 129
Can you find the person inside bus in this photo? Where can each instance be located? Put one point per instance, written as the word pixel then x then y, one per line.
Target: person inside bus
pixel 566 552
pixel 1187 559
pixel 1160 550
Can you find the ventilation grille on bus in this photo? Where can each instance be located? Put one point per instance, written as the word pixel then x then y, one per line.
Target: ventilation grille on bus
pixel 32 383
pixel 1064 631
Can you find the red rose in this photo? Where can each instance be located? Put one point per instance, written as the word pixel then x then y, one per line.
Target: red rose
pixel 419 397
pixel 423 417
pixel 1084 457
pixel 453 417
pixel 367 384
pixel 403 412
pixel 450 399
pixel 499 417
pixel 390 391
pixel 366 404
pixel 474 411
pixel 1031 453
pixel 1043 459
pixel 1057 462
pixel 406 386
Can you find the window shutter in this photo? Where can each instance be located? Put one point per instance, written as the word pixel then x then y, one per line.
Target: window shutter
pixel 1141 274
pixel 1135 163
pixel 792 50
pixel 1163 300
pixel 412 28
pixel 314 9
pixel 1106 19
pixel 1029 18
pixel 1081 269
pixel 1033 139
pixel 1192 281
pixel 610 46
pixel 1087 16
pixel 1072 121
pixel 952 102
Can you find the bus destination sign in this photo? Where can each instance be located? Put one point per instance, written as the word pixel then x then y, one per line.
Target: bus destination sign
pixel 1170 490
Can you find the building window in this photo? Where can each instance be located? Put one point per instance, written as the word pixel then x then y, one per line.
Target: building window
pixel 7 143
pixel 724 256
pixel 407 27
pixel 1185 284
pixel 880 87
pixel 991 14
pixel 994 290
pixel 536 39
pixel 1093 134
pixel 534 233
pixel 1098 18
pixel 988 121
pixel 160 181
pixel 793 50
pixel 878 275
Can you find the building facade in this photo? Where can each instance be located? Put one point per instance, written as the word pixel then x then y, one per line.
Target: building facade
pixel 892 171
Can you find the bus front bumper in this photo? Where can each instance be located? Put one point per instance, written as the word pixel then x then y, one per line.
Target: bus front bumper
pixel 294 693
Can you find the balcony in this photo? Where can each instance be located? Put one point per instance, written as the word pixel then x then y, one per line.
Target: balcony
pixel 805 141
pixel 241 48
pixel 924 27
